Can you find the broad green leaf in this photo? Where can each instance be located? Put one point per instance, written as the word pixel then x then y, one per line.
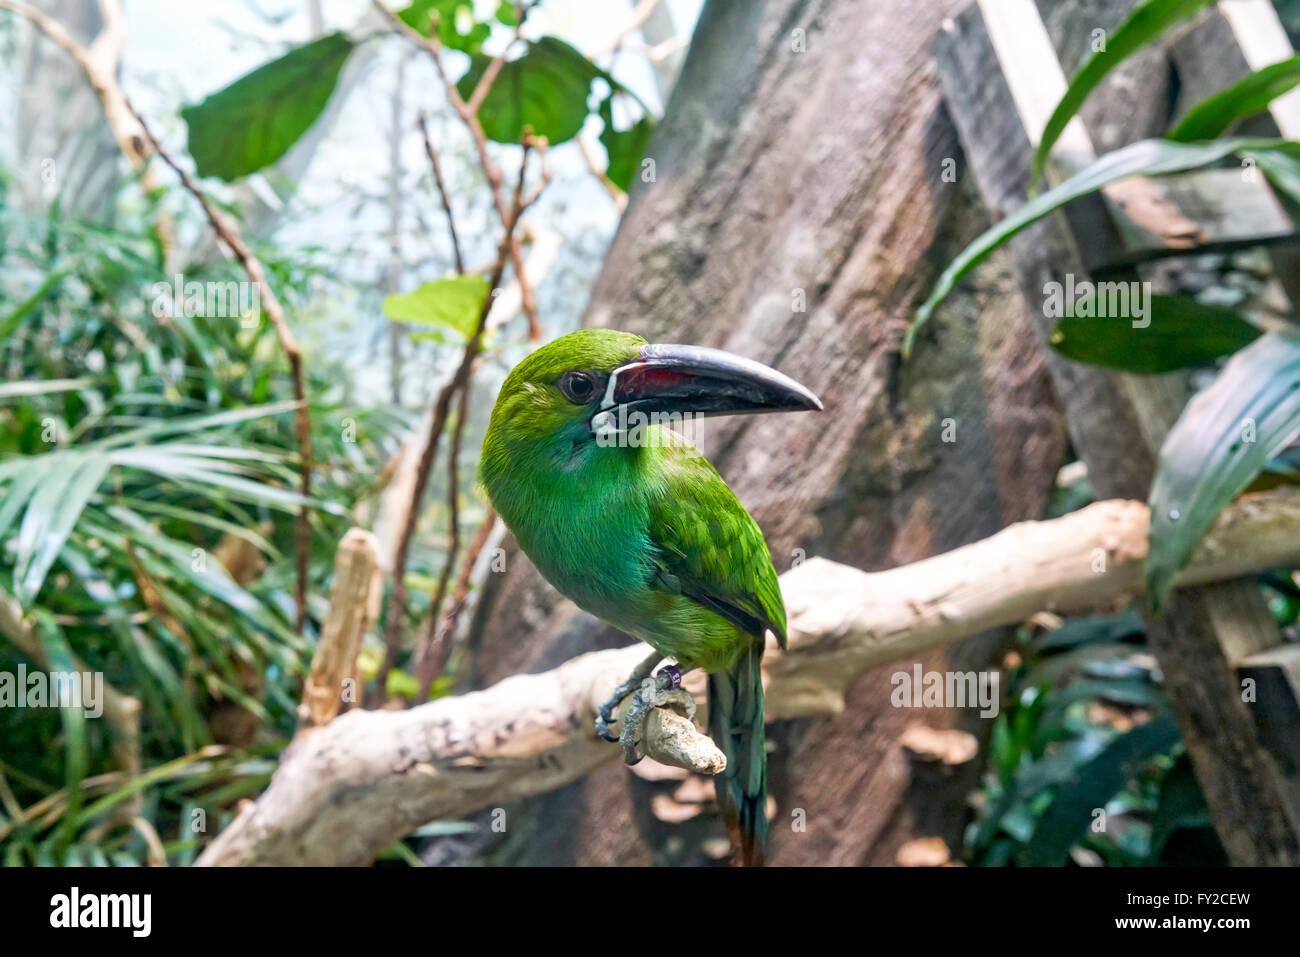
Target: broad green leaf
pixel 1141 26
pixel 1223 439
pixel 1247 96
pixel 625 148
pixel 1091 785
pixel 51 516
pixel 456 27
pixel 1179 333
pixel 254 121
pixel 546 89
pixel 454 304
pixel 1145 158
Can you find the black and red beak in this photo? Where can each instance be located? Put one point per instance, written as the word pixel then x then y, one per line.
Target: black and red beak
pixel 695 380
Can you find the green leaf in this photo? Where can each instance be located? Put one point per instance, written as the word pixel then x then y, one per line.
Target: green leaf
pixel 546 89
pixel 10 322
pixel 1247 96
pixel 625 148
pixel 1090 786
pixel 192 424
pixel 454 304
pixel 1219 444
pixel 21 486
pixel 506 14
pixel 1101 629
pixel 1141 26
pixel 254 121
pixel 1180 333
pixel 51 516
pixel 451 16
pixel 1144 158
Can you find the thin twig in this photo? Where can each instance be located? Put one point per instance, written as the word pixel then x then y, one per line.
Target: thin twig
pixel 230 235
pixel 441 408
pixel 602 176
pixel 422 121
pixel 424 658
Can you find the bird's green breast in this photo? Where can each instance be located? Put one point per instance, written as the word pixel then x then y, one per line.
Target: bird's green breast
pixel 584 516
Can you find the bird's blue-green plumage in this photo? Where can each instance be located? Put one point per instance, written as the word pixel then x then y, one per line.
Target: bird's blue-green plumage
pixel 647 537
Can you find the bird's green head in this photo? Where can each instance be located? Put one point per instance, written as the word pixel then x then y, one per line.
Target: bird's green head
pixel 570 395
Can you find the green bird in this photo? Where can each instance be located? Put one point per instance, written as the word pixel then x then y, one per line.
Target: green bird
pixel 633 524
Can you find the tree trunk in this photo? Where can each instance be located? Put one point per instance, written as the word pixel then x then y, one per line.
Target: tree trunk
pixel 805 154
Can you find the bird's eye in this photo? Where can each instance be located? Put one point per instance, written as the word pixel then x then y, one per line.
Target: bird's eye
pixel 578 387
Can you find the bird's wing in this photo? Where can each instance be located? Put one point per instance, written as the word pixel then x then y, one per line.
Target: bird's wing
pixel 710 549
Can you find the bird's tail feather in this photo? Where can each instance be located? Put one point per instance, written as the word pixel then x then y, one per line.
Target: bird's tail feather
pixel 736 726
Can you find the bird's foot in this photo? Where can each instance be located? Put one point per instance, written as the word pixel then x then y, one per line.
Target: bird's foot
pixel 662 690
pixel 606 716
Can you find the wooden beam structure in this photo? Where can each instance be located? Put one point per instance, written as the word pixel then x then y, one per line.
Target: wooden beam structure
pixel 1002 77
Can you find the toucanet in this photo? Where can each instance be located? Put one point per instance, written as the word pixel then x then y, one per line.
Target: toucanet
pixel 626 518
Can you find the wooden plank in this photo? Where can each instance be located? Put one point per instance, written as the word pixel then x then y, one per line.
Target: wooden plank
pixel 1034 77
pixel 1276 674
pixel 1209 210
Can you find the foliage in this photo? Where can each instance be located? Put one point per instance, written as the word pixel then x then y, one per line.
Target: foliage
pixel 254 121
pixel 1085 761
pixel 140 446
pixel 1225 437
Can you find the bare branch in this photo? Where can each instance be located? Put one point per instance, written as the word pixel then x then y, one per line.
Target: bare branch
pixel 344 791
pixel 442 192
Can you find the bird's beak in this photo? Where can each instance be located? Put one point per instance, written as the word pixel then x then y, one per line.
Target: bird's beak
pixel 699 381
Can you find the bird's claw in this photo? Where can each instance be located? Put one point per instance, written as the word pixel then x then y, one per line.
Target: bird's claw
pixel 663 690
pixel 603 727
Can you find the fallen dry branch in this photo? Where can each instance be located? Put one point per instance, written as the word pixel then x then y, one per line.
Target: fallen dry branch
pixel 344 791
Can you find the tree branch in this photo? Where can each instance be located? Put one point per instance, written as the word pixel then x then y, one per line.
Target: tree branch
pixel 344 791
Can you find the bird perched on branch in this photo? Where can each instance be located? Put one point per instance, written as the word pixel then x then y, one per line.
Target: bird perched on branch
pixel 627 519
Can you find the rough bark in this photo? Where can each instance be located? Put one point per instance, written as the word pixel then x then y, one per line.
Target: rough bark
pixel 820 171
